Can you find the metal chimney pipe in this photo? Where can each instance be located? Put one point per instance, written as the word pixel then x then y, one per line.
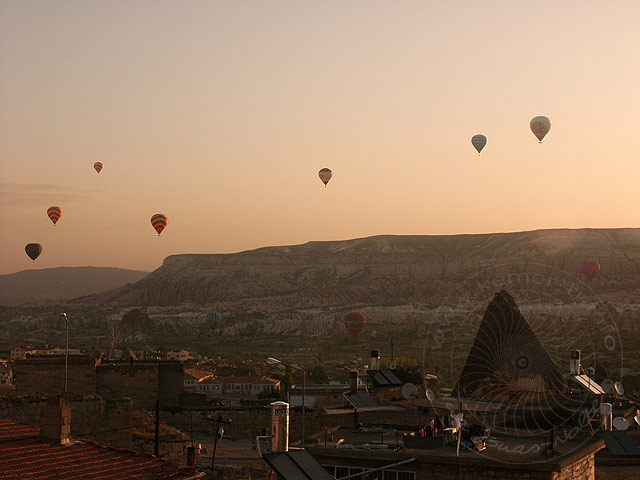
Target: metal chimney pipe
pixel 606 413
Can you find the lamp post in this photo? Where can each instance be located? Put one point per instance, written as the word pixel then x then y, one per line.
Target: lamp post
pixel 66 354
pixel 275 361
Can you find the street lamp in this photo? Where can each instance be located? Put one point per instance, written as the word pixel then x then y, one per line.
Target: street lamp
pixel 275 361
pixel 66 355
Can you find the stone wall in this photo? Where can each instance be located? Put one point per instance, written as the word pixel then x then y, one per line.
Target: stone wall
pixel 45 375
pixel 143 382
pixel 92 417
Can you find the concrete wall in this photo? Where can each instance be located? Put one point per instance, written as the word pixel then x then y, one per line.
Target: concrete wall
pixel 45 375
pixel 460 469
pixel 92 417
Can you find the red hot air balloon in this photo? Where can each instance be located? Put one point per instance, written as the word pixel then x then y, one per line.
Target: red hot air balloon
pixel 355 323
pixel 54 214
pixel 33 250
pixel 590 268
pixel 98 166
pixel 159 221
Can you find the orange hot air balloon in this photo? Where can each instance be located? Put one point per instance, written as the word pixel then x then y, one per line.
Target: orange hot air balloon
pixel 33 250
pixel 98 166
pixel 590 268
pixel 54 214
pixel 159 221
pixel 355 323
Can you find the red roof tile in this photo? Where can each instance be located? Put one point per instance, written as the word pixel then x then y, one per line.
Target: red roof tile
pixel 25 455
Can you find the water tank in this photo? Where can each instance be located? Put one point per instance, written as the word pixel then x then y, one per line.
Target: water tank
pixel 280 427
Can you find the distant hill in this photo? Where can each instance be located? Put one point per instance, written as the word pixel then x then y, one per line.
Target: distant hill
pixel 62 283
pixel 380 270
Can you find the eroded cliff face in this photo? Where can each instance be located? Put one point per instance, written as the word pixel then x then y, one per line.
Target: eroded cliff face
pixel 382 270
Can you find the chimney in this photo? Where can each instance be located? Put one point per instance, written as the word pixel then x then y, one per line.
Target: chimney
pixel 55 421
pixel 606 413
pixel 191 456
pixel 574 362
pixel 280 427
pixel 353 381
pixel 375 359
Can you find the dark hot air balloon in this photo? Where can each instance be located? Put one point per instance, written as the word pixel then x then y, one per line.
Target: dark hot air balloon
pixel 478 142
pixel 213 318
pixel 590 268
pixel 54 214
pixel 540 126
pixel 325 175
pixel 355 323
pixel 159 221
pixel 33 250
pixel 98 166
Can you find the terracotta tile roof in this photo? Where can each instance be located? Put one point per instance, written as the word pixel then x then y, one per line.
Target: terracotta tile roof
pixel 251 380
pixel 196 373
pixel 25 455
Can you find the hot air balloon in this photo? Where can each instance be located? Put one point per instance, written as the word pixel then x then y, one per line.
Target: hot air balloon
pixel 540 126
pixel 590 268
pixel 98 166
pixel 33 250
pixel 355 323
pixel 325 175
pixel 213 318
pixel 478 142
pixel 54 214
pixel 159 221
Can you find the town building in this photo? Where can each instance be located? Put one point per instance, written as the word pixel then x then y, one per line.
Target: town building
pixel 238 388
pixel 194 376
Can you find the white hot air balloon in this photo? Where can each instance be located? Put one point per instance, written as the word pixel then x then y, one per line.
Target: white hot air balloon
pixel 325 175
pixel 478 142
pixel 540 126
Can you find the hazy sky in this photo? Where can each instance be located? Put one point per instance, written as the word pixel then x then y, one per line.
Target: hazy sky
pixel 220 114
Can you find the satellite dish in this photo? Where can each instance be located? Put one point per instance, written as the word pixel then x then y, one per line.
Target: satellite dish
pixel 620 423
pixel 618 388
pixel 430 395
pixel 409 391
pixel 392 366
pixel 637 419
pixel 607 385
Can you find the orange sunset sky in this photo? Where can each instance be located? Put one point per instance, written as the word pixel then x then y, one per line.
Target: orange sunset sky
pixel 219 114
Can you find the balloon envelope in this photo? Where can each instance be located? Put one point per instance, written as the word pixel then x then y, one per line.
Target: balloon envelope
pixel 98 166
pixel 590 268
pixel 478 142
pixel 54 214
pixel 159 221
pixel 540 126
pixel 325 175
pixel 213 318
pixel 33 250
pixel 355 323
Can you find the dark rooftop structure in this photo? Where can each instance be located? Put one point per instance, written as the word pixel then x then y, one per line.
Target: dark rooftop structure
pixel 506 358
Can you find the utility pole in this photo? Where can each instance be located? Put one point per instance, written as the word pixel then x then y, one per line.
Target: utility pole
pixel 156 442
pixel 215 442
pixel 66 355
